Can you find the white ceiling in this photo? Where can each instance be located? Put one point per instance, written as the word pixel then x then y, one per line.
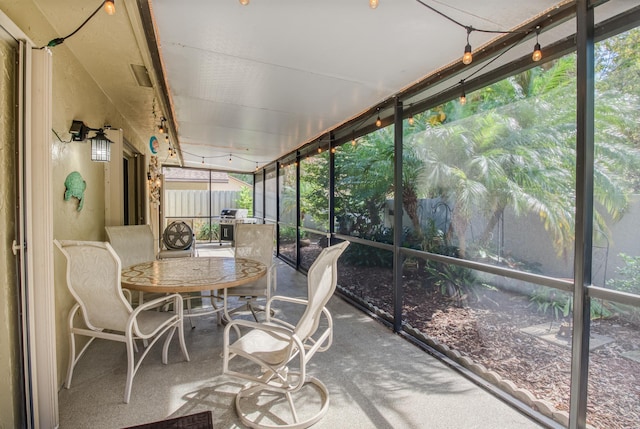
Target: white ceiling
pixel 256 82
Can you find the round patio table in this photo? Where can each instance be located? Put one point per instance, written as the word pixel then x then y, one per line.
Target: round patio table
pixel 196 274
pixel 178 275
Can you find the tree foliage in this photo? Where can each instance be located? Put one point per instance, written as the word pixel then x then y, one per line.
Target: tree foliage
pixel 512 146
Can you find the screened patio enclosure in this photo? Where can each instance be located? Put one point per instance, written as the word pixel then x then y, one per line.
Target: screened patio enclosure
pixel 498 232
pixel 492 214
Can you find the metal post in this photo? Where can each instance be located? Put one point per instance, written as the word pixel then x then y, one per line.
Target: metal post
pixel 584 214
pixel 298 220
pixel 397 218
pixel 332 189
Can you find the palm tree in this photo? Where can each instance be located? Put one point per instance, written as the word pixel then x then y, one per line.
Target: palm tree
pixel 520 156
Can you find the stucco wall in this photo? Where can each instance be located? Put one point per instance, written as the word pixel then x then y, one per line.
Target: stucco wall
pixel 9 345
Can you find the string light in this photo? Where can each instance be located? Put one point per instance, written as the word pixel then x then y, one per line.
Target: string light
pixel 537 52
pixel 463 97
pixel 467 58
pixel 378 121
pixel 373 4
pixel 229 156
pixel 333 150
pixel 244 2
pixel 411 121
pixel 110 7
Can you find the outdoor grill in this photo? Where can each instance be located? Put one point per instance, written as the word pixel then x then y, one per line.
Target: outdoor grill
pixel 228 219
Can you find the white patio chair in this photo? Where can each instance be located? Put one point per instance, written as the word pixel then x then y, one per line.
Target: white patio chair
pixel 93 278
pixel 134 244
pixel 279 352
pixel 257 242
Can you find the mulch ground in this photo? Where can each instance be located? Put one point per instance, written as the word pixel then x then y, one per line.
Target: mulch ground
pixel 488 329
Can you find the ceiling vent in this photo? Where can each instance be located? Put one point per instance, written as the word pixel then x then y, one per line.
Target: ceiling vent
pixel 142 75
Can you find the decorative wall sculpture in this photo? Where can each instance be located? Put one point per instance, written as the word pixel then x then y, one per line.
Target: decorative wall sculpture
pixel 74 187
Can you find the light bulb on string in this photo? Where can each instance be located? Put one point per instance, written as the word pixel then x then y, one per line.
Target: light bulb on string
pixel 463 96
pixel 378 121
pixel 203 160
pixel 373 4
pixel 229 158
pixel 410 120
pixel 537 52
pixel 467 58
pixel 109 7
pixel 333 150
pixel 244 2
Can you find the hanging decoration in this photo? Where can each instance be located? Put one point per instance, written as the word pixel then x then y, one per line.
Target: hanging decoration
pixel 155 183
pixel 153 145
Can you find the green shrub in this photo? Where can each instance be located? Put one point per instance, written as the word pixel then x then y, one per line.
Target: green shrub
pixel 628 275
pixel 368 256
pixel 207 231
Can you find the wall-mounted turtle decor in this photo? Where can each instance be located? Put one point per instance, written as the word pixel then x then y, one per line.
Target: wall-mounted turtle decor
pixel 74 187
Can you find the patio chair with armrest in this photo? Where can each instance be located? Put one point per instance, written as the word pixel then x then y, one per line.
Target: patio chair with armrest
pixel 93 278
pixel 133 244
pixel 257 242
pixel 280 352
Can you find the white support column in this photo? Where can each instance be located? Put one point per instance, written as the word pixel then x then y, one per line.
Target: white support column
pixel 113 181
pixel 39 238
